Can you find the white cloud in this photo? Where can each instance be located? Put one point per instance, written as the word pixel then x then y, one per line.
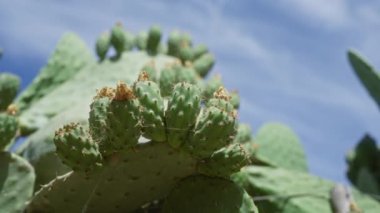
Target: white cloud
pixel 330 13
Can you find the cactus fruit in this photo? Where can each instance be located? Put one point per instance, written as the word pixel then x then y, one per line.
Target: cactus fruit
pixel 153 41
pixel 102 45
pixel 182 111
pixel 278 146
pixel 152 108
pixel 8 129
pixel 118 39
pixel 199 194
pixel 16 182
pixel 76 149
pixel 280 190
pixel 214 129
pixel 213 84
pixel 235 99
pixel 225 161
pixel 203 64
pixel 244 134
pixel 9 85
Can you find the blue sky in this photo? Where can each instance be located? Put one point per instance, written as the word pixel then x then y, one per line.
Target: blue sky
pixel 286 57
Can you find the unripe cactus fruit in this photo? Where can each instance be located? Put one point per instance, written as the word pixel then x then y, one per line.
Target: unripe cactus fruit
pixel 9 85
pixel 244 134
pixel 225 161
pixel 129 41
pixel 151 70
pixel 103 43
pixel 76 149
pixel 141 40
pixel 152 108
pixel 118 39
pixel 183 108
pixel 213 84
pixel 204 64
pixel 213 130
pixel 123 125
pixel 153 41
pixel 221 100
pixel 235 99
pixel 199 50
pixel 8 129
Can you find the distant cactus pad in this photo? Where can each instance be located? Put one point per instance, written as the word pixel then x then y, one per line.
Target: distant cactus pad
pixel 278 146
pixel 292 191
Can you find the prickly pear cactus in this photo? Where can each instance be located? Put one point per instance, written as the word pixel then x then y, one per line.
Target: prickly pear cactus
pixel 364 161
pixel 65 87
pixel 280 190
pixel 116 173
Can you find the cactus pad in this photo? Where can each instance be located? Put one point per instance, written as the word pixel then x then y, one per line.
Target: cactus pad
pixel 205 194
pixel 278 146
pixel 16 182
pixel 293 191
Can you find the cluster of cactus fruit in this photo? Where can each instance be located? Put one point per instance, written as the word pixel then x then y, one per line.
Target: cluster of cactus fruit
pixel 142 131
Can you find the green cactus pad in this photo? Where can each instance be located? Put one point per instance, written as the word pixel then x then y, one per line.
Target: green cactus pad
pixel 214 129
pixel 9 85
pixel 16 182
pixel 103 44
pixel 76 149
pixel 225 161
pixel 118 39
pixel 278 146
pixel 139 176
pixel 183 108
pixel 70 56
pixel 204 64
pixel 293 191
pixel 367 74
pixel 8 129
pixel 244 134
pixel 366 157
pixel 205 194
pixel 152 108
